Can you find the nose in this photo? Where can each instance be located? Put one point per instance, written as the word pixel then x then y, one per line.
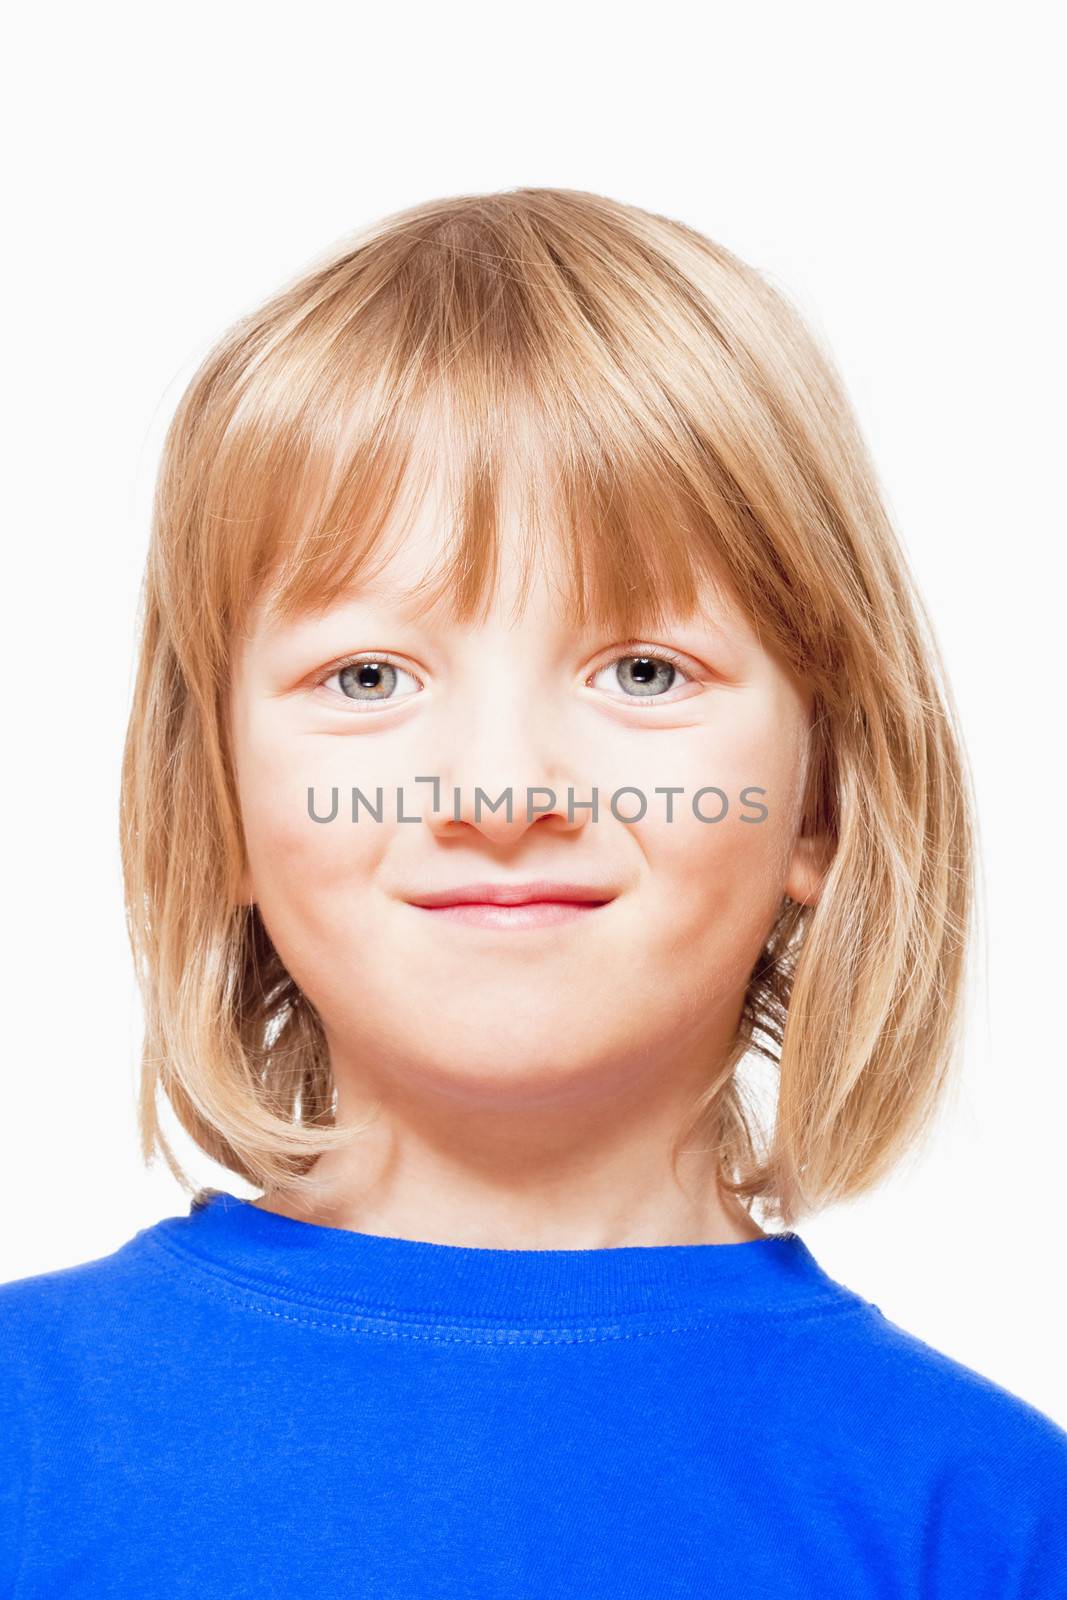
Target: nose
pixel 503 771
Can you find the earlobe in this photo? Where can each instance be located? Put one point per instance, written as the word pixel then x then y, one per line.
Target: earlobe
pixel 811 858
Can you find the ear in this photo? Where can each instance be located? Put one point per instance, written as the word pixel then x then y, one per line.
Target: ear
pixel 246 893
pixel 808 865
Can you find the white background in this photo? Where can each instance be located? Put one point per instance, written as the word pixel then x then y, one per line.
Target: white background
pixel 892 168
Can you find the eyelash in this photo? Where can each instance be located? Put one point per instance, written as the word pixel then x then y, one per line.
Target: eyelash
pixel 634 650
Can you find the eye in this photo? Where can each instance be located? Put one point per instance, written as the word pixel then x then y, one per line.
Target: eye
pixel 369 680
pixel 643 675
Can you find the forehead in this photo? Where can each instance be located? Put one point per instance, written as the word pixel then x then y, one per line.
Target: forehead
pixel 410 570
pixel 451 532
pixel 406 579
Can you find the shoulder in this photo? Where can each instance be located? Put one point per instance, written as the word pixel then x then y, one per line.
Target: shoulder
pixel 65 1321
pixel 993 1467
pixel 919 1380
pixel 945 1460
pixel 876 1364
pixel 55 1328
pixel 34 1302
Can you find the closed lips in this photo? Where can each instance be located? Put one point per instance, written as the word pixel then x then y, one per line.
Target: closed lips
pixel 502 894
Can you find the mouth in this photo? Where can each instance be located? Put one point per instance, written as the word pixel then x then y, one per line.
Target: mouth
pixel 514 906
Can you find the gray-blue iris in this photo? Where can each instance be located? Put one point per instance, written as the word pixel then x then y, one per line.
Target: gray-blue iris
pixel 644 675
pixel 376 676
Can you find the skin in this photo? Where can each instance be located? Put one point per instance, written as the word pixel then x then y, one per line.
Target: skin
pixel 521 1087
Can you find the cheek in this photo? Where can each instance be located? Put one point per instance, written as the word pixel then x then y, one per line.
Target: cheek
pixel 305 872
pixel 721 882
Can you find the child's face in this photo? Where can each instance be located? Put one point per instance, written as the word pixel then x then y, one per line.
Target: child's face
pixel 649 983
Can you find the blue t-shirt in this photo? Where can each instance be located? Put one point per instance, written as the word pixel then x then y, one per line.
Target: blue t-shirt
pixel 235 1404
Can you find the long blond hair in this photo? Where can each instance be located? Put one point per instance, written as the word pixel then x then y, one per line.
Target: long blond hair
pixel 667 414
